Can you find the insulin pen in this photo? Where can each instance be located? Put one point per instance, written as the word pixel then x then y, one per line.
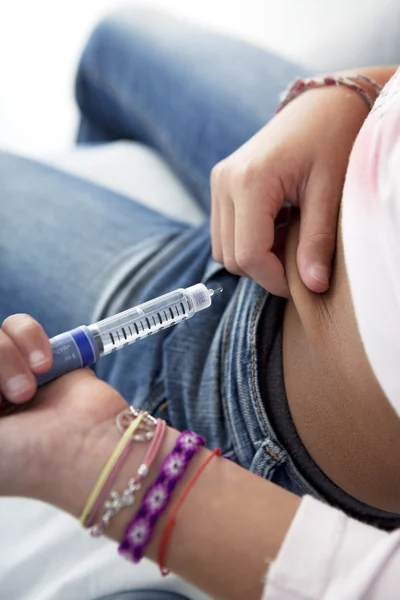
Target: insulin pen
pixel 84 345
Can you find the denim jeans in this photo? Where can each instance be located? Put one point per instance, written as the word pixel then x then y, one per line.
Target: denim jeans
pixel 72 252
pixel 195 96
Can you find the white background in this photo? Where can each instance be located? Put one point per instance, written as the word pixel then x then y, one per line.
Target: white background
pixel 40 43
pixel 41 40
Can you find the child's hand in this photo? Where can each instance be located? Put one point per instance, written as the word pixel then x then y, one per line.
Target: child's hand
pixel 24 350
pixel 301 156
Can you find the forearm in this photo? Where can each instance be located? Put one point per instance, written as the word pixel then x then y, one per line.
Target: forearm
pixel 380 74
pixel 231 524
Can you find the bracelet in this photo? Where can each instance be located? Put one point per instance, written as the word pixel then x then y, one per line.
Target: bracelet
pixel 377 87
pixel 172 520
pixel 111 468
pixel 140 530
pixel 298 86
pixel 125 418
pixel 147 427
pixel 116 501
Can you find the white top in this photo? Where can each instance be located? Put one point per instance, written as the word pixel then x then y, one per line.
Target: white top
pixel 371 237
pixel 326 555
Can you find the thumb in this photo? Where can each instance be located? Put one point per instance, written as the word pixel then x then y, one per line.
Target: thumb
pixel 318 227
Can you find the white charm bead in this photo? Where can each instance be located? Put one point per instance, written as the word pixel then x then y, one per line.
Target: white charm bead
pixel 106 518
pixel 128 500
pixel 96 531
pixel 143 471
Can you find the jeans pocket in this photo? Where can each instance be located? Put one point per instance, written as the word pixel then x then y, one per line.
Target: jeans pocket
pixel 272 462
pixel 268 457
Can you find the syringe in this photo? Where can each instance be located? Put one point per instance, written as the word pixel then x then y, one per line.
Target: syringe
pixel 84 345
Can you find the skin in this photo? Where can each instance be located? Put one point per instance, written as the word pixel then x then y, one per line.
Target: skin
pixel 54 448
pixel 339 409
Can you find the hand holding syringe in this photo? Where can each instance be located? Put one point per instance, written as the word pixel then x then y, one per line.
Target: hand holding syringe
pixel 84 345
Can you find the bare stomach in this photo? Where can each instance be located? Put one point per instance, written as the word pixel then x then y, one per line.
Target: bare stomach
pixel 345 422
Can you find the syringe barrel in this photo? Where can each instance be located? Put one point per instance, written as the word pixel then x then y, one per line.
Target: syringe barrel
pixel 83 346
pixel 149 318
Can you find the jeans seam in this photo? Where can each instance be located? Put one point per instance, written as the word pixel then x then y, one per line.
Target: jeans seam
pixel 224 358
pixel 253 361
pixel 272 454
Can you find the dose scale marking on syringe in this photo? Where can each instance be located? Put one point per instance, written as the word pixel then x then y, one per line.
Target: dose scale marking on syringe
pixel 149 330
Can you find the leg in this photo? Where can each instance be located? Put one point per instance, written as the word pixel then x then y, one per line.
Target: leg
pixel 72 253
pixel 192 94
pixel 65 243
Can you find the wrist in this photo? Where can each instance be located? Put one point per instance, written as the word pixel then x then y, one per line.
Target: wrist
pixel 380 74
pixel 75 418
pixel 74 470
pixel 224 510
pixel 71 478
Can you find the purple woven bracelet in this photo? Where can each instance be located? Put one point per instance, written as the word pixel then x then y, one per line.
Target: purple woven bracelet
pixel 140 530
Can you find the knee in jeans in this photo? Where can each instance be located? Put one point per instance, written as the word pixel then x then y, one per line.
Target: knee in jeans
pixel 94 58
pixel 117 40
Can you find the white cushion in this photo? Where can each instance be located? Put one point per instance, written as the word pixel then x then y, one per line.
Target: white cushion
pixel 328 35
pixel 134 170
pixel 46 555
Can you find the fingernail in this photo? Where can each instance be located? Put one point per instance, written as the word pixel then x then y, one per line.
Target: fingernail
pixel 36 358
pixel 16 386
pixel 320 273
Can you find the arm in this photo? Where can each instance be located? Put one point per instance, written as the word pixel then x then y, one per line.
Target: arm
pixel 301 157
pixel 233 523
pixel 380 74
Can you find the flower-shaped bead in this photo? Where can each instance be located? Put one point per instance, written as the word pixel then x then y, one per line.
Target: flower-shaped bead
pixel 189 442
pixel 139 534
pixel 156 499
pixel 174 466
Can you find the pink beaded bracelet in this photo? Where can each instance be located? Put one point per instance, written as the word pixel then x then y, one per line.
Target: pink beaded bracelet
pixel 140 530
pixel 298 86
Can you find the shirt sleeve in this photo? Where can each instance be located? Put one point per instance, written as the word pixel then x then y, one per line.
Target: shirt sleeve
pixel 329 556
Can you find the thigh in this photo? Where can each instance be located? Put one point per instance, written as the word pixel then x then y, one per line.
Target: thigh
pixel 193 94
pixel 66 243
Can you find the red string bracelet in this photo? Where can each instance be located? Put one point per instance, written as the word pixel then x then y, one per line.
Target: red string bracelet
pixel 172 520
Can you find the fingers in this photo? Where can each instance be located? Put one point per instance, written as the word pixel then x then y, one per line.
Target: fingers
pixel 254 239
pixel 243 229
pixel 216 216
pixel 223 223
pixel 17 383
pixel 24 350
pixel 318 227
